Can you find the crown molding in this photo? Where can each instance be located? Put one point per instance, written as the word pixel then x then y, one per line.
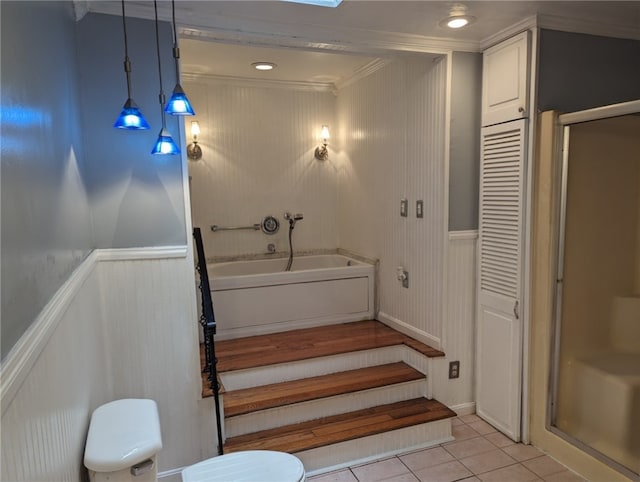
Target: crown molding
pixel 261 83
pixel 80 9
pixel 363 72
pixel 589 27
pixel 230 29
pixel 515 29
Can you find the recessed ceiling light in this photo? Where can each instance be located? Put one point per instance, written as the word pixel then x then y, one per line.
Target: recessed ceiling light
pixel 319 3
pixel 264 65
pixel 457 21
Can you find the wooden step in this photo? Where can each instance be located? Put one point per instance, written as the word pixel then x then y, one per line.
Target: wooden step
pixel 288 346
pixel 339 428
pixel 238 402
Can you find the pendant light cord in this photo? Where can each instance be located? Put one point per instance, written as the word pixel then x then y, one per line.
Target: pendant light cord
pixel 161 97
pixel 127 61
pixel 176 50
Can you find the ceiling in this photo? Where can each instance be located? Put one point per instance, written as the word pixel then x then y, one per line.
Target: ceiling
pixel 327 45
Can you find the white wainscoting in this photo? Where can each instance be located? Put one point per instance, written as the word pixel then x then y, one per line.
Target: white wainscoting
pixel 123 325
pixel 458 330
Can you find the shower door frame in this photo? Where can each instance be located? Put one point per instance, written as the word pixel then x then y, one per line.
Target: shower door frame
pixel 564 123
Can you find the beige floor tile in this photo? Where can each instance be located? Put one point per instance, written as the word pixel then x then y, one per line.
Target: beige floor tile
pixel 543 466
pixel 456 421
pixel 339 476
pixel 522 452
pixel 470 418
pixel 470 479
pixel 463 432
pixel 487 461
pixel 447 472
pixel 482 427
pixel 408 477
pixel 512 473
pixel 383 470
pixel 565 476
pixel 499 439
pixel 426 458
pixel 467 448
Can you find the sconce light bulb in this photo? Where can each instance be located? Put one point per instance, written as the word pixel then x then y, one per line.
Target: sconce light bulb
pixel 325 133
pixel 195 129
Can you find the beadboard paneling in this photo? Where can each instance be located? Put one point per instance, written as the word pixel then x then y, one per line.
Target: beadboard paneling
pixel 391 137
pixel 151 332
pixel 45 418
pixel 258 159
pixel 125 328
pixel 459 321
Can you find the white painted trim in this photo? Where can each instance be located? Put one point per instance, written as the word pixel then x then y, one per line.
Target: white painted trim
pixel 463 235
pixel 227 29
pixel 261 83
pixel 409 330
pixel 467 408
pixel 590 27
pixel 526 24
pixel 362 72
pixel 604 112
pixel 20 360
pixel 133 254
pixel 23 355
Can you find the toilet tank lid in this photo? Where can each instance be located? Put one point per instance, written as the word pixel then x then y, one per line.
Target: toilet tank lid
pixel 121 434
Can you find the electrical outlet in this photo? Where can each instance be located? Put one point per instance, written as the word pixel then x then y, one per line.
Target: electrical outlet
pixel 454 369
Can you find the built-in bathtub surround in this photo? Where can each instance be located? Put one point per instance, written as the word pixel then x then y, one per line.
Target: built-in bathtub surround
pixel 257 297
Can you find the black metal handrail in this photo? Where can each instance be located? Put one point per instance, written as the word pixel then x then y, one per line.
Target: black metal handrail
pixel 208 323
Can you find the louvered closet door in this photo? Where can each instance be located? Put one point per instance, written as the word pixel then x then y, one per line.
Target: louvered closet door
pixel 499 329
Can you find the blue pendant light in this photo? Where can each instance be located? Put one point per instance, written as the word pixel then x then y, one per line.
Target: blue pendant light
pixel 165 143
pixel 178 103
pixel 130 117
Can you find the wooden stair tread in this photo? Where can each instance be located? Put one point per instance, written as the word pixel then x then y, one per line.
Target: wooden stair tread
pixel 238 402
pixel 289 346
pixel 343 427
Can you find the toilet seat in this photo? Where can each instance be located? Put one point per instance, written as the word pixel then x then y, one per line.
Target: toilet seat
pixel 247 466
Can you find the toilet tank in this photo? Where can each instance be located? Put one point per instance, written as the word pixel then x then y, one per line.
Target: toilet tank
pixel 123 442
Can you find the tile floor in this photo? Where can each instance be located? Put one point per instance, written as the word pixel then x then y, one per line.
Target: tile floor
pixel 479 453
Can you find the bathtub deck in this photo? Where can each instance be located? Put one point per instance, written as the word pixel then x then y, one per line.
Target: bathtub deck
pixel 288 346
pixel 354 410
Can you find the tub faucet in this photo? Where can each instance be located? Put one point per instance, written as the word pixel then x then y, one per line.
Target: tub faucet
pixel 293 218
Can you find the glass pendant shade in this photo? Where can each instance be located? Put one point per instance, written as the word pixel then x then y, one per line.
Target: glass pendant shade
pixel 165 144
pixel 131 117
pixel 179 103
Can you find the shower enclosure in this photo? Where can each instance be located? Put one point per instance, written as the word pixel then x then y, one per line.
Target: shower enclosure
pixel 594 399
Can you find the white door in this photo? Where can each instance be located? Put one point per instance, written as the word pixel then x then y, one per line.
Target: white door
pixel 499 324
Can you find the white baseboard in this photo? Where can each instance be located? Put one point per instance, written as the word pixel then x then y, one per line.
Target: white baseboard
pixel 409 330
pixel 467 408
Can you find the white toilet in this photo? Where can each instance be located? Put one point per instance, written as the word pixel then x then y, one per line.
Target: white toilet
pixel 123 441
pixel 247 466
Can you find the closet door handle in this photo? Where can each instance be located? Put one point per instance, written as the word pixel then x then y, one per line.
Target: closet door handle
pixel 516 310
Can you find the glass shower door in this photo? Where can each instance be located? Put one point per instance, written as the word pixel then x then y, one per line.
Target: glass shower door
pixel 595 400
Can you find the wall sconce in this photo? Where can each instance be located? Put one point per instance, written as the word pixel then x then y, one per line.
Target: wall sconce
pixel 194 152
pixel 322 154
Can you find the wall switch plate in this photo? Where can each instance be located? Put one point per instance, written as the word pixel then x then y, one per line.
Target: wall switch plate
pixel 454 369
pixel 420 208
pixel 404 208
pixel 405 279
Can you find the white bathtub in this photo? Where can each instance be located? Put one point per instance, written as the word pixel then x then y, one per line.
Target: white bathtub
pixel 257 297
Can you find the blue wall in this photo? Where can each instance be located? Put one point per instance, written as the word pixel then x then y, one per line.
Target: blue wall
pixel 70 181
pixel 578 71
pixel 46 225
